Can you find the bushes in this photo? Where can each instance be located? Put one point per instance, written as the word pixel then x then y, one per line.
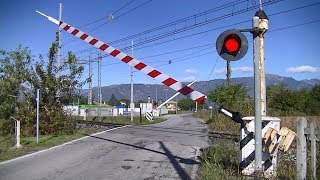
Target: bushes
pixel 285 102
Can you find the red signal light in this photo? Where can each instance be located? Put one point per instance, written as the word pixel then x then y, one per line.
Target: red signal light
pixel 232 45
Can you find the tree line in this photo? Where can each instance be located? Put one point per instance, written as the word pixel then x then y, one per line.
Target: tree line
pixel 281 101
pixel 21 74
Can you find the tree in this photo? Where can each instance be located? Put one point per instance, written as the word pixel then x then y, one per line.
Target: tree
pixel 313 103
pixel 282 101
pixel 186 104
pixel 113 101
pixel 14 75
pixel 57 91
pixel 233 97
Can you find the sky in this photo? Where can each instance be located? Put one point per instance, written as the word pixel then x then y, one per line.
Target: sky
pixel 184 50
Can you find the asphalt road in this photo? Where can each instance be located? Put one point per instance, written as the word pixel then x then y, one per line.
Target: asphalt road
pixel 167 150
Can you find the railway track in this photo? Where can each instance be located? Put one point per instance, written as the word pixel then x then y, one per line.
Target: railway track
pixel 225 135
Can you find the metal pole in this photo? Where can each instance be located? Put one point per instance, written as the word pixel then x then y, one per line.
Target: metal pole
pixel 38 99
pixel 99 84
pixel 131 97
pixel 90 82
pixel 156 94
pixel 59 42
pixel 257 98
pixel 166 93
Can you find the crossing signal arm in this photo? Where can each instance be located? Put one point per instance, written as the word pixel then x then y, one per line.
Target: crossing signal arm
pixel 150 71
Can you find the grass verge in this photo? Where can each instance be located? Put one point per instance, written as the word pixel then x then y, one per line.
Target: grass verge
pixel 221 161
pixel 29 144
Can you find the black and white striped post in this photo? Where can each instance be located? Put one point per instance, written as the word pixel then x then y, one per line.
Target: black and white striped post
pixel 149 115
pixel 247 147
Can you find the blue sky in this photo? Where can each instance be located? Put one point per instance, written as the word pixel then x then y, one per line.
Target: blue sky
pixel 288 51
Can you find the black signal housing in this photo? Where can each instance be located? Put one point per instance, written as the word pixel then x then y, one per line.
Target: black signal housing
pixel 232 45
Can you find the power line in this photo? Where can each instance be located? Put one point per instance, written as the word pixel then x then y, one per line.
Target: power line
pixel 122 7
pixel 297 25
pixel 204 13
pixel 176 31
pixel 278 13
pixel 178 21
pixel 183 59
pixel 112 19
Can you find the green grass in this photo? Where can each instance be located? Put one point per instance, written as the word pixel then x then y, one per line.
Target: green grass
pixel 29 144
pixel 218 122
pixel 219 162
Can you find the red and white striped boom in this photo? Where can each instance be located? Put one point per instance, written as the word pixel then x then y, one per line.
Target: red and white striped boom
pixel 131 61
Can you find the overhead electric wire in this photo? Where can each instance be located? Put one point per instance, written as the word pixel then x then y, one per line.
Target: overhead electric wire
pixel 174 32
pixel 195 25
pixel 297 25
pixel 278 13
pixel 122 7
pixel 171 52
pixel 206 31
pixel 204 13
pixel 191 57
pixel 109 21
pixel 179 21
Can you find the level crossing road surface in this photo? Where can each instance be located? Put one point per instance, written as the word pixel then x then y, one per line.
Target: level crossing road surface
pixel 168 150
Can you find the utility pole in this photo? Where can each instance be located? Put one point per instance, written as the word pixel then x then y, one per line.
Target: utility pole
pixel 90 82
pixel 99 84
pixel 166 93
pixel 131 96
pixel 228 73
pixel 59 53
pixel 59 43
pixel 260 26
pixel 156 94
pixel 37 124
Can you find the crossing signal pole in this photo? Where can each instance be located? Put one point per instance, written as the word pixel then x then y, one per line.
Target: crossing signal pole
pixel 232 45
pixel 260 26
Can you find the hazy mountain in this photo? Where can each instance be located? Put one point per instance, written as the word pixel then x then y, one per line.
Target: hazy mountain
pixel 142 91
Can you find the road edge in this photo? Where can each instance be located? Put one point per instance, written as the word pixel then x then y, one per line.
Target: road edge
pixel 54 147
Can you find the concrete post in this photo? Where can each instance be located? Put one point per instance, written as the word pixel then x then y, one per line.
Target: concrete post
pixel 17 124
pixel 257 98
pixel 301 148
pixel 313 150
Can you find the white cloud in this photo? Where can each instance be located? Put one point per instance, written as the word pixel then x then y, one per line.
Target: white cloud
pixel 191 71
pixel 303 69
pixel 243 69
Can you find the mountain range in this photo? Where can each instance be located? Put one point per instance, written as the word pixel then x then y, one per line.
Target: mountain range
pixel 158 91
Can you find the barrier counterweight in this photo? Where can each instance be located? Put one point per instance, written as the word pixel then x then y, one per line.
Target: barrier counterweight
pixel 247 147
